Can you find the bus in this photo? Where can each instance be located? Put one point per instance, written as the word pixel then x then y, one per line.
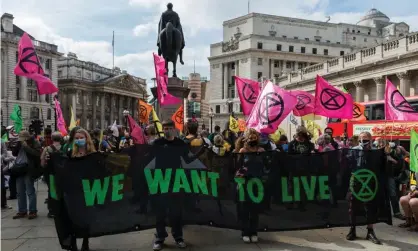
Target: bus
pixel 376 123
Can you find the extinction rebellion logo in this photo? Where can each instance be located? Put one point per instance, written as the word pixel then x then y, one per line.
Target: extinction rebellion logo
pixel 364 185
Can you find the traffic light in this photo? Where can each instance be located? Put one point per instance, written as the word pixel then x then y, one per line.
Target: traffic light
pixel 36 127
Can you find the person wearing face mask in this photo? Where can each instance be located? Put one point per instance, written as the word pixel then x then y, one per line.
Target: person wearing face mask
pixel 365 144
pixel 330 132
pixel 301 144
pixel 251 166
pixel 126 141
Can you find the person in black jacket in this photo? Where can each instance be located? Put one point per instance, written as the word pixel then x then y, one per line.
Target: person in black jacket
pixel 301 144
pixel 26 169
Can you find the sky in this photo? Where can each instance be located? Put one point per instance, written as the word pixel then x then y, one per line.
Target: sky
pixel 85 26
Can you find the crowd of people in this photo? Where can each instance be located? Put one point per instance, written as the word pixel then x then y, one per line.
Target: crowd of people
pixel 25 160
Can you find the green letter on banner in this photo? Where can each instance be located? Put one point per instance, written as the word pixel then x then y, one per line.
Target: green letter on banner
pixel 199 182
pixel 181 182
pixel 97 191
pixel 285 192
pixel 213 183
pixel 52 188
pixel 309 188
pixel 240 183
pixel 158 180
pixel 260 190
pixel 323 188
pixel 296 189
pixel 117 186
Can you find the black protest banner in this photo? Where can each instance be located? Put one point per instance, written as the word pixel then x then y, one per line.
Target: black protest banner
pixel 116 193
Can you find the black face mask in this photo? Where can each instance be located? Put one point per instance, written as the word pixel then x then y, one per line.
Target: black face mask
pixel 253 143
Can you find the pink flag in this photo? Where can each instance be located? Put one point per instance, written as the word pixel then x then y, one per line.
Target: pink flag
pixel 136 131
pixel 396 106
pixel 248 91
pixel 271 108
pixel 29 66
pixel 331 102
pixel 60 119
pixel 305 103
pixel 164 97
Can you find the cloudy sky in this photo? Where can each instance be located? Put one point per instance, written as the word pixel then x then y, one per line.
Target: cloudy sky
pixel 85 26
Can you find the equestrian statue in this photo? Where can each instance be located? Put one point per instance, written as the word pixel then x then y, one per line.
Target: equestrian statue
pixel 170 38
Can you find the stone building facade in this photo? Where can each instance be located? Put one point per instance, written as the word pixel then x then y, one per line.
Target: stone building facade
pixel 20 90
pixel 97 95
pixel 265 46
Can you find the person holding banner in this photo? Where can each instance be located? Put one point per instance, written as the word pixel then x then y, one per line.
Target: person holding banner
pixel 252 167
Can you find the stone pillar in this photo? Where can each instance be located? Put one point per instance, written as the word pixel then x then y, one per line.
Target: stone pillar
pixel 94 105
pixel 102 110
pixel 380 87
pixel 225 90
pixel 120 115
pixel 112 108
pixel 236 74
pixel 405 82
pixel 134 107
pixel 359 91
pixel 74 103
pixel 83 120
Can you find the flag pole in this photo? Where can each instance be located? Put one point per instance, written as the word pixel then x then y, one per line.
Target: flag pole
pixel 248 6
pixel 113 51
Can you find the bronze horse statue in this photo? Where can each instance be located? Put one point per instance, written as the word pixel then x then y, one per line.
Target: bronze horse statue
pixel 171 41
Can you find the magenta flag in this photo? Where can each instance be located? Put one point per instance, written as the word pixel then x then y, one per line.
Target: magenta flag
pixel 60 119
pixel 248 91
pixel 396 106
pixel 331 102
pixel 28 66
pixel 305 103
pixel 273 105
pixel 164 97
pixel 136 131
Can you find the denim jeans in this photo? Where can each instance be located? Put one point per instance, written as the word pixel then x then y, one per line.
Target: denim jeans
pixel 393 195
pixel 26 187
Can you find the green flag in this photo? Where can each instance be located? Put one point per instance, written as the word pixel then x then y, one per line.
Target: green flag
pixel 413 160
pixel 5 138
pixel 16 116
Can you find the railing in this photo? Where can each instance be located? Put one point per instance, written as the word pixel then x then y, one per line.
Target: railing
pixel 36 43
pixel 388 49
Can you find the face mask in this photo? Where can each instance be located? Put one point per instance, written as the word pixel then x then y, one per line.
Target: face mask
pixel 253 143
pixel 80 142
pixel 365 142
pixel 169 133
pixel 392 144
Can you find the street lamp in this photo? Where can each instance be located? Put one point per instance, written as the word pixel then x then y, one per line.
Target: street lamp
pixel 126 114
pixel 211 115
pixel 55 112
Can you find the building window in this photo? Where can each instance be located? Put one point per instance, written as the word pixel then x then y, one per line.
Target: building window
pixel 358 31
pixel 318 40
pixel 88 75
pixel 79 73
pixel 41 60
pixel 276 64
pixel 47 98
pixel 17 80
pixel 233 66
pixel 78 98
pixel 17 93
pixel 328 41
pixel 60 73
pixel 338 42
pixel 217 109
pixel 48 64
pixel 291 48
pixel 354 38
pixel 341 53
pixel 232 83
pixel 314 50
pixel 33 95
pixel 302 49
pixel 326 52
pixel 97 77
pixel 259 61
pixel 97 101
pixel 401 34
pixel 365 39
pixel 259 45
pixel 307 39
pixel 288 65
pixel 295 37
pixel 259 75
pixel 17 56
pixel 300 65
pixel 49 114
pixel 368 33
pixel 279 47
pixel 353 31
pixel 284 36
pixel 34 113
pixel 230 107
pixel 232 93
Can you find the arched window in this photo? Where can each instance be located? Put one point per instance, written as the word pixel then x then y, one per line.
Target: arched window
pixel 49 114
pixel 34 113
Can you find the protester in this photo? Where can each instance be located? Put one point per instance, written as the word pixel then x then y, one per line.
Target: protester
pixel 68 146
pixel 204 135
pixel 267 143
pixel 239 143
pixel 212 135
pixel 47 138
pixel 26 169
pixel 409 205
pixel 151 134
pixel 56 138
pixel 6 160
pixel 366 144
pixel 301 144
pixel 283 144
pixel 96 139
pixel 126 141
pixel 229 136
pixel 330 132
pixel 219 147
pixel 324 143
pixel 354 143
pixel 192 139
pixel 252 167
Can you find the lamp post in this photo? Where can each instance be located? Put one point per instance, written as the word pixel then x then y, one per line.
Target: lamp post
pixel 55 112
pixel 211 115
pixel 126 114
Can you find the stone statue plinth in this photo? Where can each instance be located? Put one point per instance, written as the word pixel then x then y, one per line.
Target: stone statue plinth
pixel 176 88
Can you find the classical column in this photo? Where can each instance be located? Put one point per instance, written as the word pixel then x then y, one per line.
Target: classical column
pixel 236 74
pixel 359 91
pixel 380 87
pixel 112 108
pixel 120 116
pixel 134 106
pixel 405 82
pixel 225 90
pixel 84 114
pixel 102 110
pixel 23 88
pixel 74 103
pixel 94 104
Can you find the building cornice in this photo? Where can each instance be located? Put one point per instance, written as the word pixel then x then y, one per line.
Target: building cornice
pixel 14 40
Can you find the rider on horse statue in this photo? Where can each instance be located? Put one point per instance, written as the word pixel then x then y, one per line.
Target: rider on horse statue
pixel 170 16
